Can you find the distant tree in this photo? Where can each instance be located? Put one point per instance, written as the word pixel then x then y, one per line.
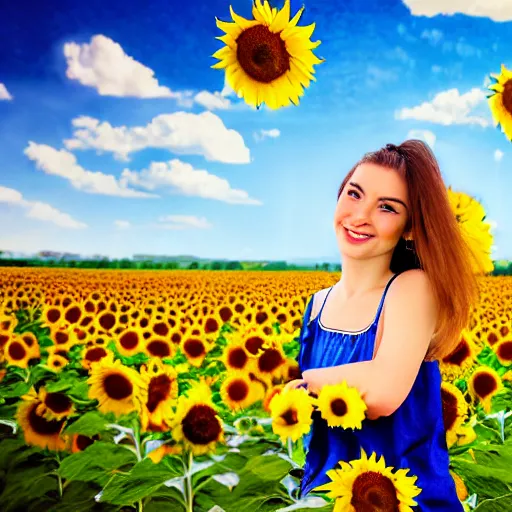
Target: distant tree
pixel 217 265
pixel 194 265
pixel 233 265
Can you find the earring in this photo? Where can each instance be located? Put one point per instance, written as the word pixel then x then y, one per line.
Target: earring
pixel 407 246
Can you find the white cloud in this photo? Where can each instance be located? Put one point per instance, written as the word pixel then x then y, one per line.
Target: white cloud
pixel 498 155
pixel 212 101
pixel 497 10
pixel 62 163
pixel 122 224
pixel 185 180
pixel 4 93
pixel 398 53
pixel 181 132
pixel 273 133
pixel 433 36
pixel 183 222
pixel 426 135
pixel 39 210
pixel 447 108
pixel 227 90
pixel 104 65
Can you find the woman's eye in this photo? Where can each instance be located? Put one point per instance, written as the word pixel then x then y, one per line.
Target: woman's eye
pixel 391 209
pixel 352 192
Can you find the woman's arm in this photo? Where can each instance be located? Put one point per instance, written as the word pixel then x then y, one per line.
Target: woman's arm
pixel 409 322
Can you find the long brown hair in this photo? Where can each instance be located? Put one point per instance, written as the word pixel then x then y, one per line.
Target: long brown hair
pixel 438 245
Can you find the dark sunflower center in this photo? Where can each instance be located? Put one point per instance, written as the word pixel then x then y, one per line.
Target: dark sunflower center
pixel 262 54
pixel 82 442
pixel 53 315
pixel 61 338
pixel 269 360
pixel 338 407
pixel 459 355
pixel 158 391
pixel 290 416
pixel 261 317
pixel 505 351
pixel 211 325
pixel 200 425
pixel 237 358
pixel 238 390
pixel 117 386
pixel 95 354
pixel 129 340
pixel 43 426
pixel 484 384
pixel 254 344
pixel 449 409
pixel 57 402
pixel 161 328
pixel 107 321
pixel 507 96
pixel 17 351
pixel 159 348
pixel 225 313
pixel 374 492
pixel 73 314
pixel 194 347
pixel 492 338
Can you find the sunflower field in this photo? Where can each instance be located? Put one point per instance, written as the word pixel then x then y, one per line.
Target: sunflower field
pixel 151 390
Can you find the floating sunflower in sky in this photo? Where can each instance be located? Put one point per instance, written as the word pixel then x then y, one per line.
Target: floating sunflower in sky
pixel 365 479
pixel 341 406
pixel 500 101
pixel 291 413
pixel 470 215
pixel 268 59
pixel 197 424
pixel 114 386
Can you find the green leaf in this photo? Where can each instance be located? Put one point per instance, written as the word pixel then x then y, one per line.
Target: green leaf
pixel 90 424
pixel 142 481
pixel 79 497
pixel 15 389
pixel 96 463
pixel 233 461
pixel 495 505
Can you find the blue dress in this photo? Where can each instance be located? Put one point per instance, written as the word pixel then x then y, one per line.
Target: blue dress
pixel 412 437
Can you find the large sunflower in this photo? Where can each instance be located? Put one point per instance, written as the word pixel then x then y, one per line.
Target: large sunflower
pixel 291 413
pixel 500 101
pixel 455 409
pixel 114 386
pixel 239 392
pixel 159 389
pixel 268 59
pixel 197 424
pixel 483 384
pixel 470 215
pixel 461 360
pixel 367 484
pixel 341 406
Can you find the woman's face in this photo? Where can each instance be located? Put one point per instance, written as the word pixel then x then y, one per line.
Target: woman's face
pixel 374 202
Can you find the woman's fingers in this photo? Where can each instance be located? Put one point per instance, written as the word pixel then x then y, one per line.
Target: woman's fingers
pixel 294 384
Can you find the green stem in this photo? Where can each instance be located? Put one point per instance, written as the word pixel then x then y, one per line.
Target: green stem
pixel 188 478
pixel 290 447
pixel 59 479
pixel 139 506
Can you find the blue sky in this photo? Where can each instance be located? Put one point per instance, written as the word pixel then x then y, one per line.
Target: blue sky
pixel 117 137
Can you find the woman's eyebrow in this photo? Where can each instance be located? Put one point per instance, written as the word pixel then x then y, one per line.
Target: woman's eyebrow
pixel 396 200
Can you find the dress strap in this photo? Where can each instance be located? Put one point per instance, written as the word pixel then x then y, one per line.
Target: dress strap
pixel 323 303
pixel 381 304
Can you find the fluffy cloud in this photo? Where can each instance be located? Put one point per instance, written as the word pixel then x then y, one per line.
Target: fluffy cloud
pixel 104 65
pixel 4 93
pixel 212 101
pixel 273 133
pixel 447 108
pixel 497 10
pixel 39 210
pixel 426 135
pixel 181 132
pixel 498 155
pixel 122 224
pixel 182 178
pixel 62 163
pixel 183 222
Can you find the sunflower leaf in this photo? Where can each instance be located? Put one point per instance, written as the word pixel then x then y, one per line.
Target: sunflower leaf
pixel 496 504
pixel 90 424
pixel 15 389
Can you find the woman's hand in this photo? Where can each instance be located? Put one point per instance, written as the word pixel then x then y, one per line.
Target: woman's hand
pixel 294 384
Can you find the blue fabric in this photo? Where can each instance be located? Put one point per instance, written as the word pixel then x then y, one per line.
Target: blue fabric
pixel 412 437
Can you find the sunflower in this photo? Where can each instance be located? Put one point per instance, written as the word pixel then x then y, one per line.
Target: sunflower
pixel 341 406
pixel 268 59
pixel 362 483
pixel 52 406
pixel 197 424
pixel 113 385
pixel 159 453
pixel 483 384
pixel 195 349
pixel 455 409
pixel 270 394
pixel 130 342
pixel 80 442
pixel 271 363
pixel 56 362
pixel 470 215
pixel 500 102
pixel 159 389
pixel 461 360
pixel 158 347
pixel 238 392
pixel 37 430
pixel 92 355
pixel 503 351
pixel 466 435
pixel 17 353
pixel 291 413
pixel 236 357
pixel 460 486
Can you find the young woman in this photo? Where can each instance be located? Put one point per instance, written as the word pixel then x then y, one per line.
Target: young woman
pixel 406 291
